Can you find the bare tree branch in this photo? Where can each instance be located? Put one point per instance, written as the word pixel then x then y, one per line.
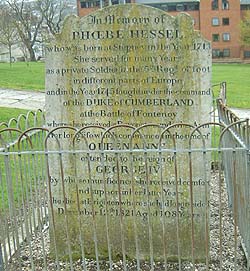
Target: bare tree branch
pixel 53 12
pixel 38 20
pixel 28 23
pixel 8 33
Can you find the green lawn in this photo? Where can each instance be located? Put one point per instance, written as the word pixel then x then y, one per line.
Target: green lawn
pixel 7 113
pixel 20 118
pixel 9 164
pixel 21 75
pixel 237 77
pixel 31 76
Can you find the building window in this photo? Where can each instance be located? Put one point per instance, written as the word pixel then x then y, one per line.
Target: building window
pixel 83 4
pixel 244 7
pixel 226 36
pixel 225 21
pixel 215 37
pixel 180 7
pixel 191 6
pixel 246 54
pixel 215 4
pixel 89 4
pixel 226 52
pixel 171 7
pixel 225 4
pixel 215 21
pixel 164 7
pixel 216 53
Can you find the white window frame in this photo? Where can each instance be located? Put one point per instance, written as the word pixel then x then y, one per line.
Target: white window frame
pixel 215 21
pixel 226 36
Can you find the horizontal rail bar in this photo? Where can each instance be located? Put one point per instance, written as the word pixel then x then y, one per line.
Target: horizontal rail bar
pixel 124 151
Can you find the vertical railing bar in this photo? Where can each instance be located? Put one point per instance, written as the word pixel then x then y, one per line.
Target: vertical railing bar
pixel 220 209
pixel 1 258
pixel 177 204
pixel 151 249
pixel 43 194
pixel 33 229
pixel 65 212
pixel 207 199
pixel 247 178
pixel 33 196
pixel 93 214
pixel 51 210
pixel 10 204
pixel 40 179
pixel 235 209
pixel 26 185
pixel 45 210
pixel 5 224
pixel 106 212
pixel 26 219
pixel 214 140
pixel 121 213
pixel 30 205
pixel 134 210
pixel 5 254
pixel 243 132
pixel 39 212
pixel 164 217
pixel 191 206
pixel 14 220
pixel 101 4
pixel 82 241
pixel 248 134
pixel 18 211
pixel 6 228
pixel 31 202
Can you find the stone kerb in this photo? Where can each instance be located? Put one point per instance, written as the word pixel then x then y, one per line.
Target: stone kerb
pixel 127 65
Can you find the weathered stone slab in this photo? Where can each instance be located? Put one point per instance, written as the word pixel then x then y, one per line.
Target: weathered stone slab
pixel 128 65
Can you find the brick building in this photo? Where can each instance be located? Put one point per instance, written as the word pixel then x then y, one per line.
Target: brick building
pixel 218 21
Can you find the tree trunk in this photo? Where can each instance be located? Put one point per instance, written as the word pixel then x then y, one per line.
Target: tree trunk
pixel 10 53
pixel 32 54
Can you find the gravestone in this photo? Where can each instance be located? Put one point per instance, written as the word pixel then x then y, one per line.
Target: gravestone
pixel 123 67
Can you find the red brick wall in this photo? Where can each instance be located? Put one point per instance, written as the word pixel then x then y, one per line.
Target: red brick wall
pixel 84 11
pixel 233 13
pixel 203 22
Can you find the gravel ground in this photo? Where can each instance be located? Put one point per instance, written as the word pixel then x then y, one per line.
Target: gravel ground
pixel 228 259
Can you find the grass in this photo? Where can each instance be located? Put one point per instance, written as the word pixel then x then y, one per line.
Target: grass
pixel 7 113
pixel 19 119
pixel 21 177
pixel 11 190
pixel 31 77
pixel 22 76
pixel 237 77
